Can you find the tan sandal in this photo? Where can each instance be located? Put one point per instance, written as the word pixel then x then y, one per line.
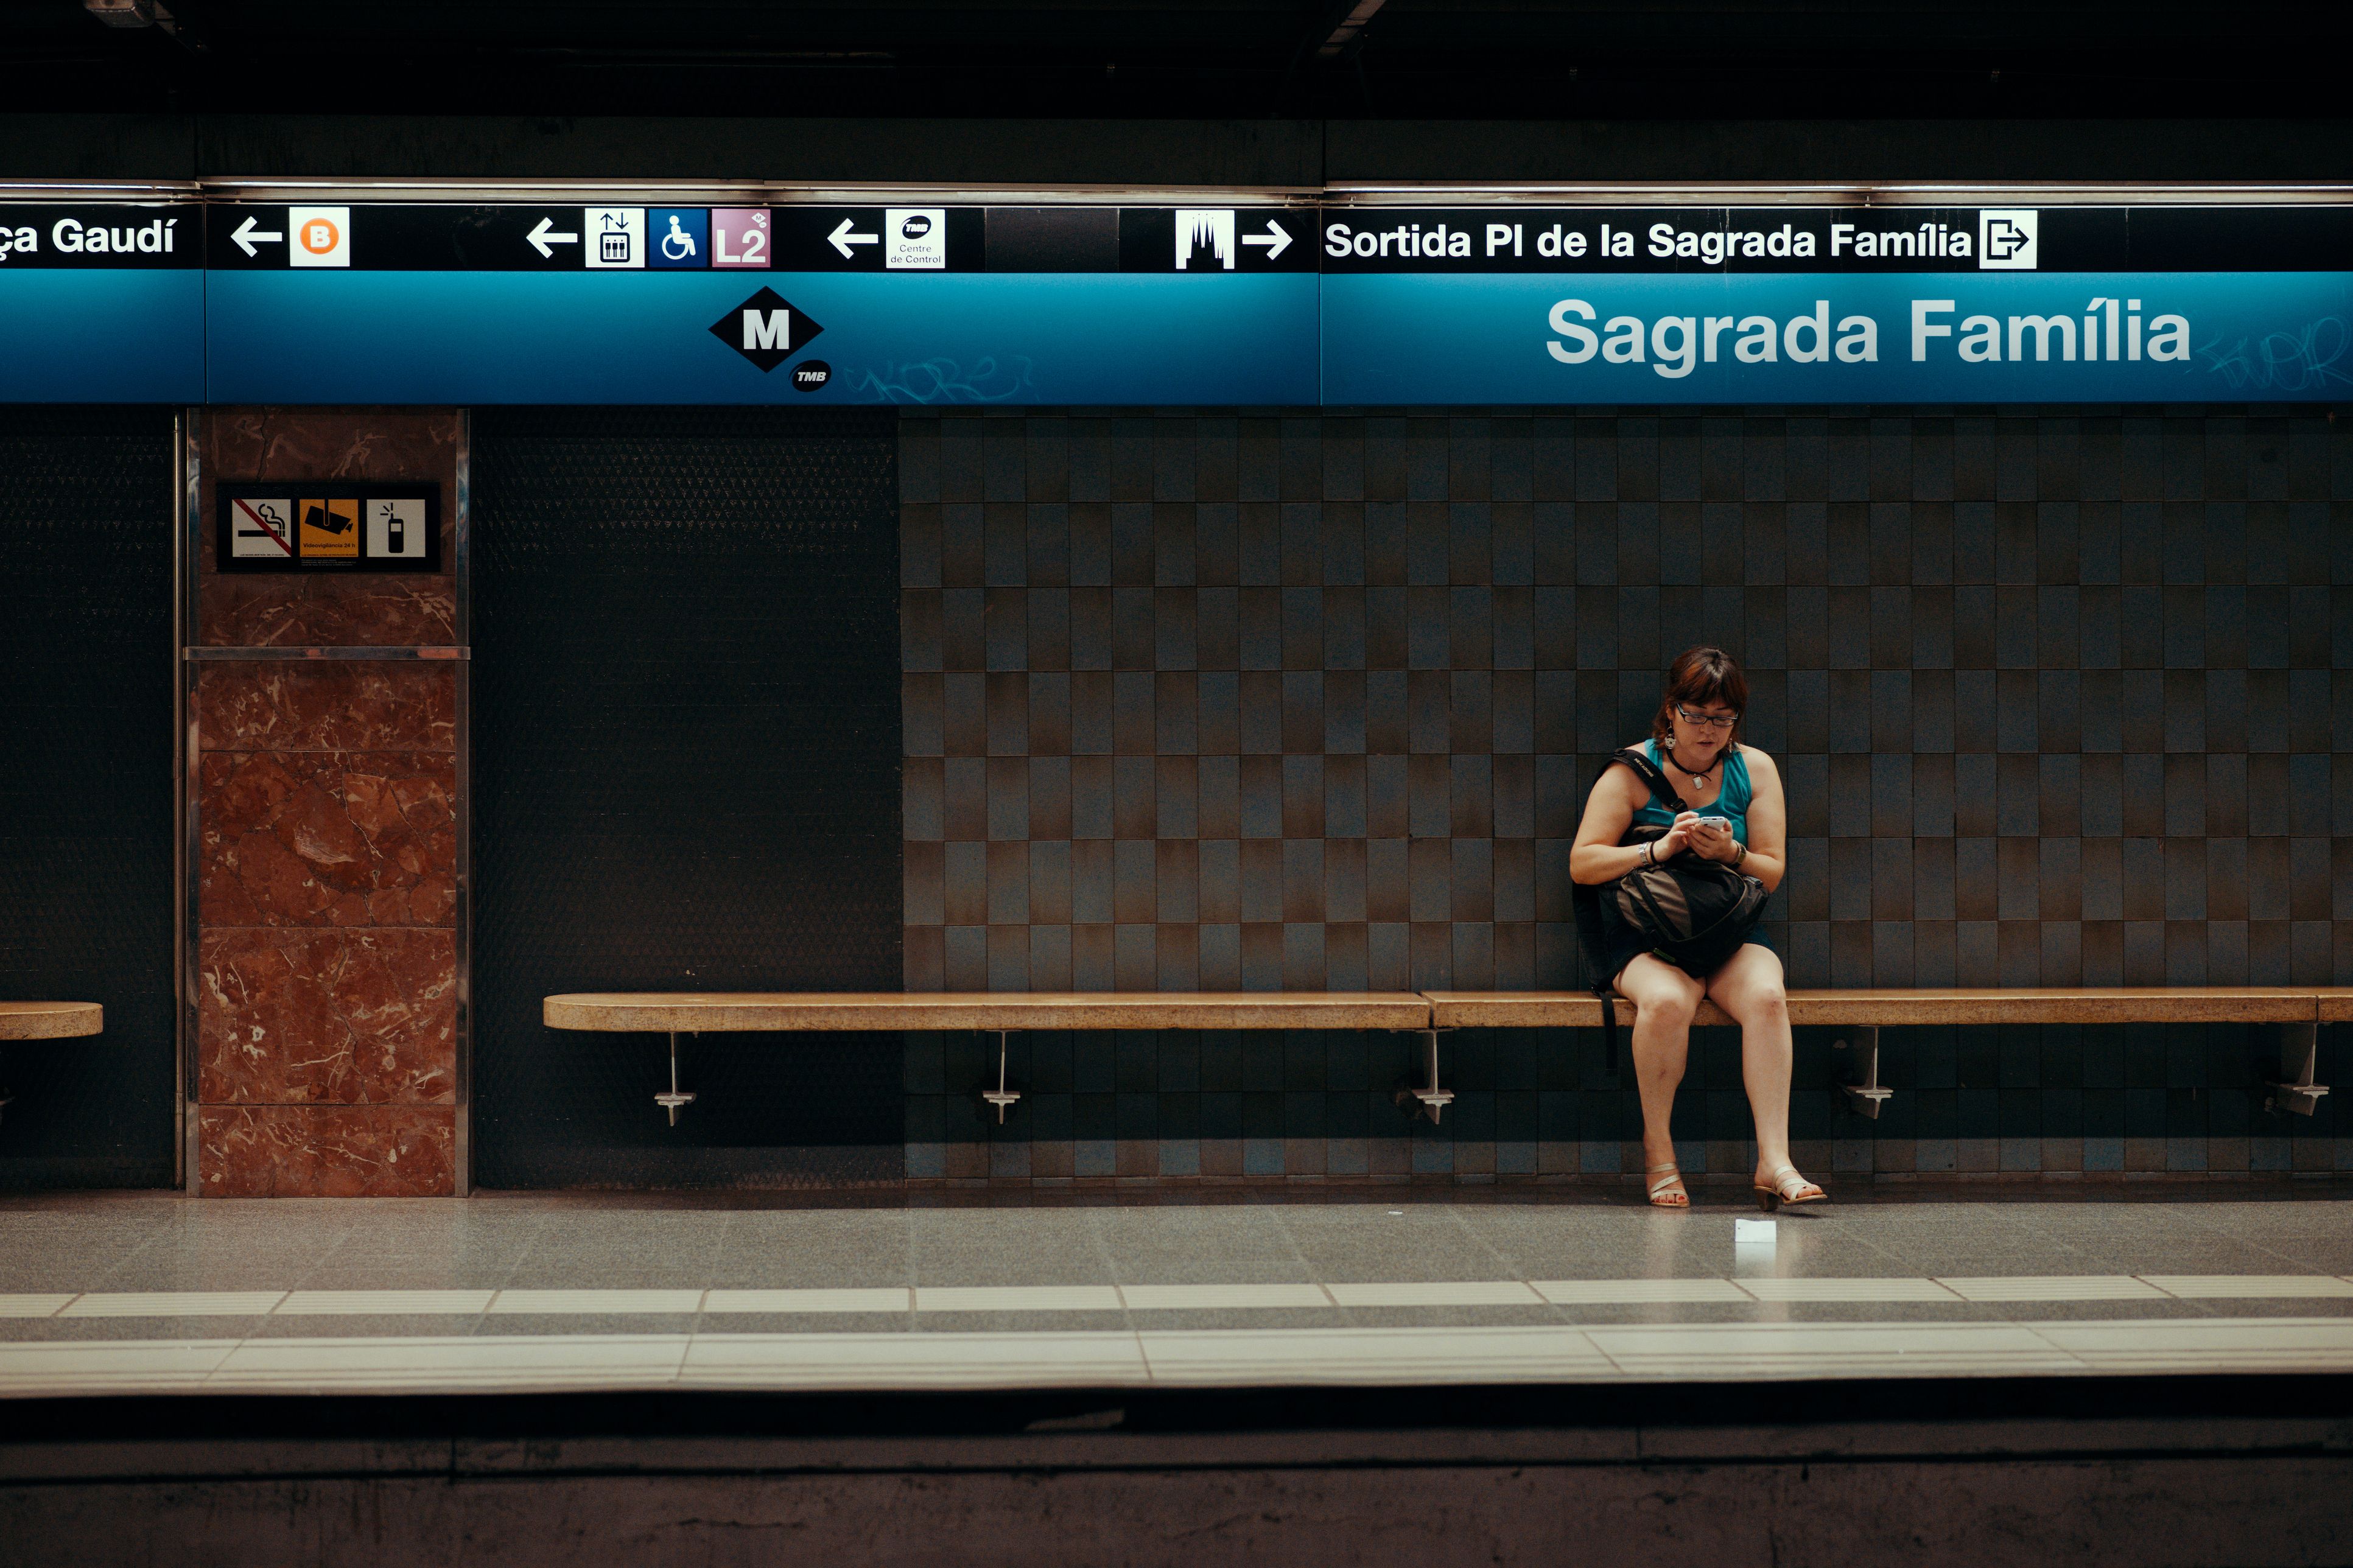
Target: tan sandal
pixel 1787 1187
pixel 1660 1197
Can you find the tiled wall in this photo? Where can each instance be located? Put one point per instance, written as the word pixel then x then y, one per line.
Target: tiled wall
pixel 1312 702
pixel 86 833
pixel 327 981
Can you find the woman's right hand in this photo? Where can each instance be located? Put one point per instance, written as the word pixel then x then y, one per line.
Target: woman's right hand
pixel 1676 840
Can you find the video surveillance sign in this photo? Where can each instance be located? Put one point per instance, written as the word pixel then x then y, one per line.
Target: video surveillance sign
pixel 310 525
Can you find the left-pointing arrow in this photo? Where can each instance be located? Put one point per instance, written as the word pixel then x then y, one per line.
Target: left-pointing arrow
pixel 250 232
pixel 843 238
pixel 544 239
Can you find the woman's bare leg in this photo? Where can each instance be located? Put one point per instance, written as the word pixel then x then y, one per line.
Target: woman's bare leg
pixel 1666 999
pixel 1750 990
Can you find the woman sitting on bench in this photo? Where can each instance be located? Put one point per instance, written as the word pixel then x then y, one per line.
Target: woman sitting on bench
pixel 1734 812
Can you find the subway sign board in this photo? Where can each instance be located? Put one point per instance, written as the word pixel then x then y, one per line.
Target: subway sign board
pixel 101 302
pixel 948 305
pixel 1776 304
pixel 1078 303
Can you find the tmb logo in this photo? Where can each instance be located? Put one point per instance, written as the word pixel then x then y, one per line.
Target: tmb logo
pixel 765 329
pixel 2006 240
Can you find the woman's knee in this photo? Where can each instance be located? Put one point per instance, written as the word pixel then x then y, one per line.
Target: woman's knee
pixel 1751 990
pixel 1671 1006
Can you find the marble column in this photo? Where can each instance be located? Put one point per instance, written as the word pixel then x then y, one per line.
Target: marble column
pixel 327 846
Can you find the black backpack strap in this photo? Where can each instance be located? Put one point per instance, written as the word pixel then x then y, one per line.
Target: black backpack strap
pixel 1654 777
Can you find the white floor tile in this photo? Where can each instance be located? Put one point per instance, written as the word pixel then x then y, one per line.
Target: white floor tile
pixel 1279 1356
pixel 891 1299
pixel 2051 1288
pixel 1726 1351
pixel 591 1361
pixel 33 1306
pixel 2216 1344
pixel 1862 1289
pixel 1179 1298
pixel 1437 1293
pixel 2211 1286
pixel 914 1360
pixel 173 1304
pixel 73 1366
pixel 1631 1292
pixel 597 1302
pixel 392 1304
pixel 1018 1298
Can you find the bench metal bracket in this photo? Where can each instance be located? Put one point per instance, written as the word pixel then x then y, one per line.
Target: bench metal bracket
pixel 673 1100
pixel 1432 1099
pixel 1864 1099
pixel 1001 1097
pixel 2296 1092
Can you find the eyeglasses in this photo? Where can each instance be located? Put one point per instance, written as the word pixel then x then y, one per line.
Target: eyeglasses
pixel 1709 721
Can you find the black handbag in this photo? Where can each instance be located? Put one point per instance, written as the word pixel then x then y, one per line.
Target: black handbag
pixel 1692 911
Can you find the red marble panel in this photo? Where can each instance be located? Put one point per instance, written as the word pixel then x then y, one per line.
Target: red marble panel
pixel 309 839
pixel 306 1151
pixel 364 1018
pixel 326 707
pixel 305 611
pixel 270 610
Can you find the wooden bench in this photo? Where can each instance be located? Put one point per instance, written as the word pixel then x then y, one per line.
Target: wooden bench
pixel 2296 1010
pixel 1864 1013
pixel 997 1012
pixel 48 1021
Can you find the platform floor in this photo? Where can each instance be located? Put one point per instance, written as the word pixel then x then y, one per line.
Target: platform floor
pixel 152 1292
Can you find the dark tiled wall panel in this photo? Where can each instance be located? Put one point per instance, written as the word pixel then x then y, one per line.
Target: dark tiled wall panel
pixel 703 800
pixel 86 822
pixel 1205 701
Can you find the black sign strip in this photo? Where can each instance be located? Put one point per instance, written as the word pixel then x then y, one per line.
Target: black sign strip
pixel 1338 239
pixel 101 235
pixel 1770 239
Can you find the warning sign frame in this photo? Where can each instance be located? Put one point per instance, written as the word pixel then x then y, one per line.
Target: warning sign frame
pixel 360 492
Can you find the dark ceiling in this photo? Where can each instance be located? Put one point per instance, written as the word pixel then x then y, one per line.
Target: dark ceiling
pixel 1420 60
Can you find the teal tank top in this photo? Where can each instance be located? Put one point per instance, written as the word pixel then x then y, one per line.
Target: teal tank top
pixel 1731 802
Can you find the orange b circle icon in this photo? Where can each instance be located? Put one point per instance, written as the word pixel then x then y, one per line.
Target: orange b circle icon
pixel 319 236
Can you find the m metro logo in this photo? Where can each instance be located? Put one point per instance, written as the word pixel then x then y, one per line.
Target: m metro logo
pixel 765 329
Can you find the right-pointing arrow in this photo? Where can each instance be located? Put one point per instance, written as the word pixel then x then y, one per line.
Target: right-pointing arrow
pixel 1277 239
pixel 843 238
pixel 543 240
pixel 249 233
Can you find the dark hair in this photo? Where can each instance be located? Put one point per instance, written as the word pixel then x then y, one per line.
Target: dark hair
pixel 1702 674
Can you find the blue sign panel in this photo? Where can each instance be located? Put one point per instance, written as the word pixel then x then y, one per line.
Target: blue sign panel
pixel 1943 337
pixel 719 336
pixel 102 337
pixel 101 302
